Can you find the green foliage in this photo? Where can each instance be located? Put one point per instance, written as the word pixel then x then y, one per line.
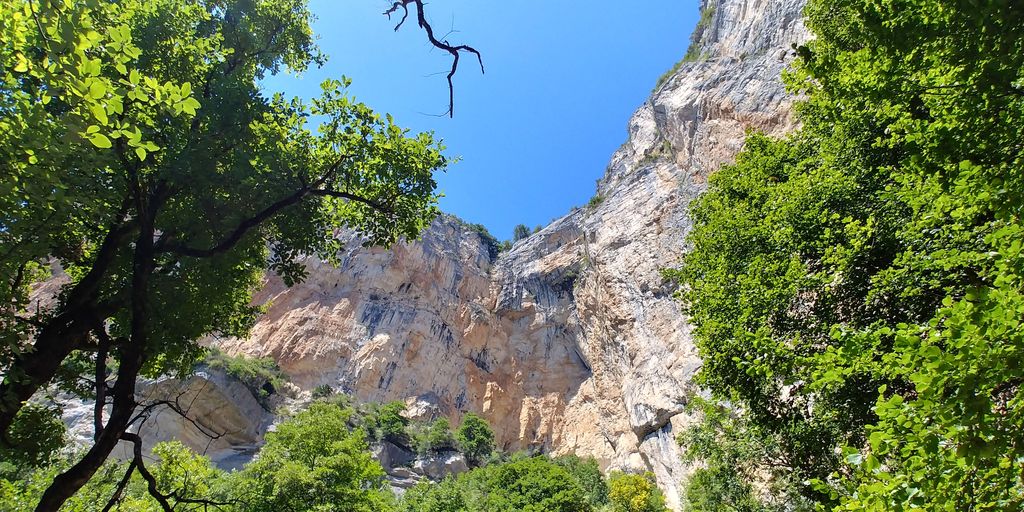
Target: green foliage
pixel 588 475
pixel 435 436
pixel 34 438
pixel 445 496
pixel 595 201
pixel 142 156
pixel 530 484
pixel 634 493
pixel 520 232
pixel 322 391
pixel 856 286
pixel 389 422
pixel 313 462
pixel 735 454
pixel 262 376
pixel 475 438
pixel 180 474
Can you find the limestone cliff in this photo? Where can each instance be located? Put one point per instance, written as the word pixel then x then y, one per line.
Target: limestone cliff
pixel 570 342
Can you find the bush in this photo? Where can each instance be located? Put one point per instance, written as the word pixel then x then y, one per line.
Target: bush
pixel 433 437
pixel 588 475
pixel 532 484
pixel 385 422
pixel 262 376
pixel 322 391
pixel 475 437
pixel 445 496
pixel 634 493
pixel 595 201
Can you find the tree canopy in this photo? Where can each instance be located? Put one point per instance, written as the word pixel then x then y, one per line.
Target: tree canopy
pixel 856 286
pixel 146 167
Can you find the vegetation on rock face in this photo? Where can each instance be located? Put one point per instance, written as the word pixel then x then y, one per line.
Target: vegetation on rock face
pixel 475 438
pixel 520 232
pixel 707 15
pixel 857 286
pixel 262 376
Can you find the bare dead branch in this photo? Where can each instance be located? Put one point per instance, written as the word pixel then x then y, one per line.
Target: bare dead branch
pixel 454 50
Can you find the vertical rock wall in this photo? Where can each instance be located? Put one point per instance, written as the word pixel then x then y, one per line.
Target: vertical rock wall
pixel 570 342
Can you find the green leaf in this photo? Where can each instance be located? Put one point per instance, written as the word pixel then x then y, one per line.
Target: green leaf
pixel 141 153
pixel 22 65
pixel 99 113
pixel 99 140
pixel 97 89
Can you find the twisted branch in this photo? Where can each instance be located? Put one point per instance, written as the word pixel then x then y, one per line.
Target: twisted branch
pixel 454 50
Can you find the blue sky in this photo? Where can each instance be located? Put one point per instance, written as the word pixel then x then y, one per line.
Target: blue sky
pixel 534 132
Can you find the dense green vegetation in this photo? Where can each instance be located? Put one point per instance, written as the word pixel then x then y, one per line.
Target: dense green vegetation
pixel 475 437
pixel 858 286
pixel 319 459
pixel 262 375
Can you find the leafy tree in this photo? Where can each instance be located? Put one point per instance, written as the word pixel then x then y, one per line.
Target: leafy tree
pixel 520 232
pixel 475 438
pixel 35 437
pixel 734 454
pixel 529 484
pixel 122 124
pixel 444 496
pixel 314 462
pixel 857 284
pixel 634 493
pixel 388 423
pixel 588 475
pixel 435 436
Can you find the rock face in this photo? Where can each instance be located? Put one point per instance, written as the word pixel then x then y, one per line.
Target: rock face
pixel 210 411
pixel 570 342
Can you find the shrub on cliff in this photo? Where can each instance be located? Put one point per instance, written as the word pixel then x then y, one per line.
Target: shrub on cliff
pixel 520 232
pixel 432 437
pixel 475 438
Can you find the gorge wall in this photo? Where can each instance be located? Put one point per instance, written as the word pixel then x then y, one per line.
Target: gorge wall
pixel 571 341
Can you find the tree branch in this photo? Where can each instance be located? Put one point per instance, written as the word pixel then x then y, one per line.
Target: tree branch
pixel 251 223
pixel 441 44
pixel 119 490
pixel 146 475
